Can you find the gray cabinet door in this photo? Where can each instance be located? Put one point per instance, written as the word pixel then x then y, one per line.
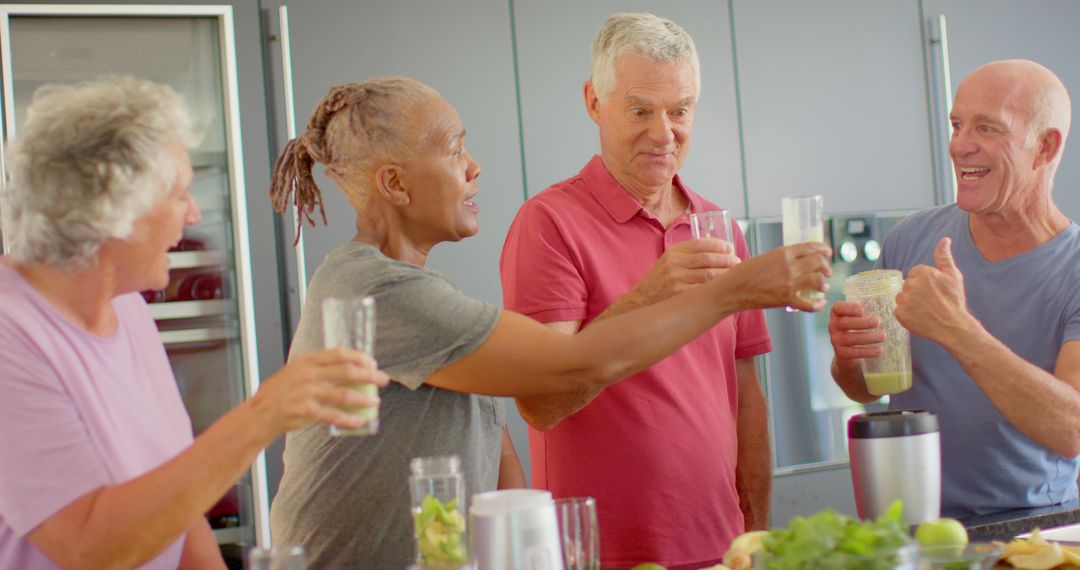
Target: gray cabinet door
pixel 554 42
pixel 834 102
pixel 464 50
pixel 1041 30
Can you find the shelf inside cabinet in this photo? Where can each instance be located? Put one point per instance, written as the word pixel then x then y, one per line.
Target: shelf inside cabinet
pixel 235 535
pixel 193 336
pixel 186 259
pixel 187 309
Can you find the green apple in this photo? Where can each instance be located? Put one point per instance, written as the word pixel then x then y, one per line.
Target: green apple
pixel 648 566
pixel 941 532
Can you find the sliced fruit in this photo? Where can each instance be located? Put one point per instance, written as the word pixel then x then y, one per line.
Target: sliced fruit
pixel 1048 556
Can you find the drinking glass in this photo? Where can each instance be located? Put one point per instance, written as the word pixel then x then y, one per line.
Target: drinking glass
pixel 276 558
pixel 579 532
pixel 713 224
pixel 350 322
pixel 802 222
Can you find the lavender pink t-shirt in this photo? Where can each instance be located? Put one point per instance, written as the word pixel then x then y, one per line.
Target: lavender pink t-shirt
pixel 77 412
pixel 657 450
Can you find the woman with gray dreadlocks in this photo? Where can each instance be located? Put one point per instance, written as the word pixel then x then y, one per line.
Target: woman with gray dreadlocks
pixel 396 149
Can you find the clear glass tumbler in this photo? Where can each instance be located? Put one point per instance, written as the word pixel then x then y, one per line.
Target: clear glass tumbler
pixel 803 221
pixel 579 532
pixel 350 322
pixel 437 486
pixel 713 224
pixel 876 291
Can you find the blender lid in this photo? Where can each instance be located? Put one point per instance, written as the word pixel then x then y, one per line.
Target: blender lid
pixel 893 423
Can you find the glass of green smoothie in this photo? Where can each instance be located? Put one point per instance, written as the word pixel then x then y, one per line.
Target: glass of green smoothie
pixel 876 291
pixel 350 322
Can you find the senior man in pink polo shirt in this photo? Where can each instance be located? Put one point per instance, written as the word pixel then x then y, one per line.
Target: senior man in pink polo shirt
pixel 678 455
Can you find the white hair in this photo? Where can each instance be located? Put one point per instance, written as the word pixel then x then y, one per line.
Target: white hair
pixel 90 159
pixel 646 34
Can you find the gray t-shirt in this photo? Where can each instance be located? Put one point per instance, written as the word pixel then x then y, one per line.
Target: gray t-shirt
pixel 1031 303
pixel 346 499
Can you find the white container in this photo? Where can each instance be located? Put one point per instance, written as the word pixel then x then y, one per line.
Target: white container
pixel 515 528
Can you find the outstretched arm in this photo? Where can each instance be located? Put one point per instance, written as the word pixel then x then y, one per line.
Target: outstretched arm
pixel 524 358
pixel 125 525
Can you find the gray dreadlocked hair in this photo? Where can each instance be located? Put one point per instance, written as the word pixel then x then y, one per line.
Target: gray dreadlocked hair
pixel 353 127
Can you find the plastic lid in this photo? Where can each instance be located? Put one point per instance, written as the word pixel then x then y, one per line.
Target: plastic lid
pixel 873 282
pixel 508 501
pixel 895 423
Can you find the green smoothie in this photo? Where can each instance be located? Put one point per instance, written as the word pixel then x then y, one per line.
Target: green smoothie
pixel 882 383
pixel 370 415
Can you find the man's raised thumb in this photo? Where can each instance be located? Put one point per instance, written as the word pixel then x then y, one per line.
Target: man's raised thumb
pixel 943 258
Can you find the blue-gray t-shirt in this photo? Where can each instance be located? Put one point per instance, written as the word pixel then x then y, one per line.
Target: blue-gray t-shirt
pixel 1031 303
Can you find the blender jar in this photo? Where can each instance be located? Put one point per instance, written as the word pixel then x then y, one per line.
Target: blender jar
pixel 437 487
pixel 876 291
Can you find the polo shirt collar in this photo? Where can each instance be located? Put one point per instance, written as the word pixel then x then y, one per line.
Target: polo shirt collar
pixel 618 203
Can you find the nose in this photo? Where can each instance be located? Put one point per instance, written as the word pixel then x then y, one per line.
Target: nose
pixel 472 168
pixel 661 130
pixel 961 144
pixel 193 214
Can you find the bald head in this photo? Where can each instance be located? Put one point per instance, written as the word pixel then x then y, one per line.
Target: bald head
pixel 1026 88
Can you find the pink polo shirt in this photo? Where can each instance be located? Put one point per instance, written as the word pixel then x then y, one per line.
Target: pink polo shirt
pixel 657 450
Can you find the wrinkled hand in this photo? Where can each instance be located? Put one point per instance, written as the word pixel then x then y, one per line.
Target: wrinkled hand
pixel 315 386
pixel 684 265
pixel 774 279
pixel 932 303
pixel 853 334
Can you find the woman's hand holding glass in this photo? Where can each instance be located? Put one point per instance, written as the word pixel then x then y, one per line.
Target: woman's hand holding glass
pixel 317 387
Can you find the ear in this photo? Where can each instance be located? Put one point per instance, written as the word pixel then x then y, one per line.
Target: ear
pixel 1048 147
pixel 391 185
pixel 592 102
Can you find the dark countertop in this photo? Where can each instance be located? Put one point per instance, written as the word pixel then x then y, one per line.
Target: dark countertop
pixel 1006 524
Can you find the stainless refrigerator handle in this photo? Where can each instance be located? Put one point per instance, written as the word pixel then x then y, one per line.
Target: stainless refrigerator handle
pixel 946 176
pixel 290 130
pixel 3 192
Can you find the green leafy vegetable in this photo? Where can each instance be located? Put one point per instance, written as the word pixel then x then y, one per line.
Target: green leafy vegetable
pixel 831 541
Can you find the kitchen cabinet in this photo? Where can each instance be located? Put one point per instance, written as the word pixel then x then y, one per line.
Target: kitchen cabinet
pixel 985 31
pixel 557 134
pixel 206 317
pixel 834 102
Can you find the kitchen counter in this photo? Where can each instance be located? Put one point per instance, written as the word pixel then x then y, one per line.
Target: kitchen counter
pixel 1007 524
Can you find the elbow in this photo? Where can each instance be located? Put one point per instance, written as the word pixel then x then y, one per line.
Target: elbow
pixel 541 424
pixel 1069 448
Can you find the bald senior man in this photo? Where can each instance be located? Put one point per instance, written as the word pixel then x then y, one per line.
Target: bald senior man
pixel 992 299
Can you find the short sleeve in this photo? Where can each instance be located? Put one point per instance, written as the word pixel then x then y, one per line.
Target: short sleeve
pixel 46 454
pixel 1072 320
pixel 424 323
pixel 751 331
pixel 540 276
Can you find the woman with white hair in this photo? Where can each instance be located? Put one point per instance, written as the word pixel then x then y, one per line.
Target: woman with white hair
pixel 99 466
pixel 396 149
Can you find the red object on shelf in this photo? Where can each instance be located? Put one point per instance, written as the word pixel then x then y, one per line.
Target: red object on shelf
pixel 153 296
pixel 201 286
pixel 189 244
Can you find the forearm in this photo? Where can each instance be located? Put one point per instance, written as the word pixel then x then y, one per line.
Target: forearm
pixel 753 472
pixel 849 377
pixel 1041 405
pixel 511 475
pixel 201 550
pixel 129 524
